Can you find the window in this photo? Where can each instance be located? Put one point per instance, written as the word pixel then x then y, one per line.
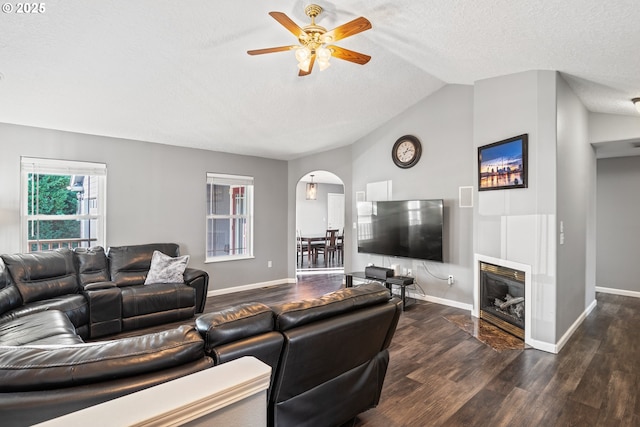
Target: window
pixel 229 217
pixel 63 204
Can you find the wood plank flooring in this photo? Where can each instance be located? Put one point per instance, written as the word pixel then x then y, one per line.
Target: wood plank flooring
pixel 439 375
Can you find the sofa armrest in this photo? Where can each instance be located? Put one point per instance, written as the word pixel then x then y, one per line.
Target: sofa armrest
pixel 235 323
pixel 98 285
pixel 243 330
pixel 105 308
pixel 198 279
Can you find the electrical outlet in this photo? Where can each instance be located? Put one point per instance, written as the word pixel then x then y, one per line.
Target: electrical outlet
pixel 409 271
pixel 269 264
pixel 450 279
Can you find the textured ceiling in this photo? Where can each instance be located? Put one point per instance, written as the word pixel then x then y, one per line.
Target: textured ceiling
pixel 178 73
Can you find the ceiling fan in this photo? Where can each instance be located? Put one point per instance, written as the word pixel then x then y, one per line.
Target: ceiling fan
pixel 315 41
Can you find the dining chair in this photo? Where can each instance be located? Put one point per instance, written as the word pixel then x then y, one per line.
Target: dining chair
pixel 330 245
pixel 340 246
pixel 301 249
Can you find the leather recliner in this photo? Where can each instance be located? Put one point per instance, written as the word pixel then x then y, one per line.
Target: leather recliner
pixel 328 355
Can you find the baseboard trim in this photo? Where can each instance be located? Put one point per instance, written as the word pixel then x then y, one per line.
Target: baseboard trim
pixel 251 286
pixel 539 345
pixel 567 335
pixel 621 292
pixel 441 301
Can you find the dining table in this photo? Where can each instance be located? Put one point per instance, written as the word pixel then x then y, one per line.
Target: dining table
pixel 312 240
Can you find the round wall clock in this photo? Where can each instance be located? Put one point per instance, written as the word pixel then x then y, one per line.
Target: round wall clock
pixel 406 151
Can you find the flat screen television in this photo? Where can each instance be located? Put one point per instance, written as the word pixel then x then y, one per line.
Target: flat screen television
pixel 405 228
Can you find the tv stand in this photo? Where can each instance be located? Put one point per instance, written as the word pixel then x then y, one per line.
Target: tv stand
pixel 389 282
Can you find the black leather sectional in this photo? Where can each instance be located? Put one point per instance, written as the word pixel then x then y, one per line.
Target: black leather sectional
pixel 101 293
pixel 51 301
pixel 329 355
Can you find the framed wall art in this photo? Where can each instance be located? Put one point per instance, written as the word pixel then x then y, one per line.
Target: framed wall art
pixel 503 164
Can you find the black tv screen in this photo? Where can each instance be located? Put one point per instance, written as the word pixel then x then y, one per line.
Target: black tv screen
pixel 406 228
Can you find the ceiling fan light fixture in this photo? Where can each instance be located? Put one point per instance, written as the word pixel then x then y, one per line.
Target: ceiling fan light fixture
pixel 303 53
pixel 316 43
pixel 323 65
pixel 304 65
pixel 323 55
pixel 636 102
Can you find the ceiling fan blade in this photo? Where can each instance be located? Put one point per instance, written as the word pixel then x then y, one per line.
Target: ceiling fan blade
pixel 271 50
pixel 303 73
pixel 356 26
pixel 286 22
pixel 349 55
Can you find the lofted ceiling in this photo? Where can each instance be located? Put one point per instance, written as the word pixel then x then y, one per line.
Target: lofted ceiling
pixel 178 72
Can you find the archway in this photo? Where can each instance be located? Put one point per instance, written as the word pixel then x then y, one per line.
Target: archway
pixel 314 217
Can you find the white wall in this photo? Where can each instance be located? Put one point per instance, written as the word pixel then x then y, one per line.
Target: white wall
pixel 156 193
pixel 311 215
pixel 519 225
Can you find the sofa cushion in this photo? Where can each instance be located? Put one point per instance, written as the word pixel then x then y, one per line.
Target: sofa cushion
pixel 297 313
pixel 43 275
pixel 46 327
pixel 159 297
pixel 46 367
pixel 75 307
pixel 92 265
pixel 235 323
pixel 129 265
pixel 166 269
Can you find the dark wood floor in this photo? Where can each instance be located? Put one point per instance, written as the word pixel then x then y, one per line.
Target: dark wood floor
pixel 310 263
pixel 441 376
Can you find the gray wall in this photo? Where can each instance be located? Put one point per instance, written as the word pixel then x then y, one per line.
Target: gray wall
pixel 156 193
pixel 613 127
pixel 443 124
pixel 519 225
pixel 618 228
pixel 576 172
pixel 338 162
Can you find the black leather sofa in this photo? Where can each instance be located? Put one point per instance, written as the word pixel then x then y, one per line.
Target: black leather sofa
pixel 51 301
pixel 329 355
pixel 101 293
pixel 46 370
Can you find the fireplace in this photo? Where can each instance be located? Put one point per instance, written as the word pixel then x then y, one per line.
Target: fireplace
pixel 502 297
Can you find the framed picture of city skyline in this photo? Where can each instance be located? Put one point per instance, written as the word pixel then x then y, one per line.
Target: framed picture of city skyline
pixel 503 164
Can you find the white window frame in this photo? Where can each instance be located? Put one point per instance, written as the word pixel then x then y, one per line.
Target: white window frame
pixel 32 165
pixel 234 180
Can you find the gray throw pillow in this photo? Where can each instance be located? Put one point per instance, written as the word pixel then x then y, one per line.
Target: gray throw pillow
pixel 166 269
